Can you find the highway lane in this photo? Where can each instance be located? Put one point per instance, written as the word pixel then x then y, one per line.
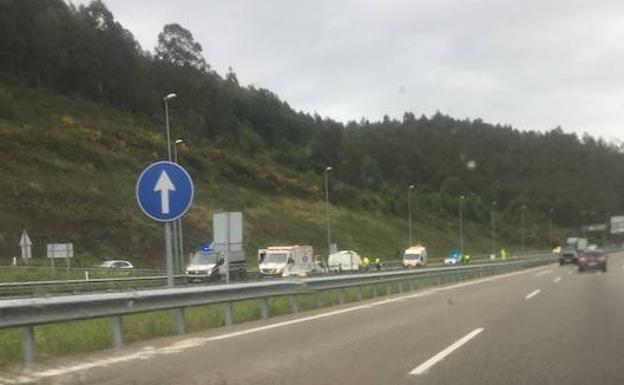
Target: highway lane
pixel 536 326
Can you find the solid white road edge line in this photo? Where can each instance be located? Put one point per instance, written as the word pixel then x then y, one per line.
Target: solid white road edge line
pixel 422 368
pixel 532 294
pixel 29 376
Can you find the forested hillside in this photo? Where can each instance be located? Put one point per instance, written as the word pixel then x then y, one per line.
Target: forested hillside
pixel 81 113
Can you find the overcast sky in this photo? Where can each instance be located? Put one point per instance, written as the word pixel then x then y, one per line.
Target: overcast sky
pixel 531 64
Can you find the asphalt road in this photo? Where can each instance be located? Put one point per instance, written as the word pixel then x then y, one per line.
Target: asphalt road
pixel 549 325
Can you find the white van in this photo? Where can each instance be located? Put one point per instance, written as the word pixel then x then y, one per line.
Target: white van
pixel 415 256
pixel 284 261
pixel 344 260
pixel 208 263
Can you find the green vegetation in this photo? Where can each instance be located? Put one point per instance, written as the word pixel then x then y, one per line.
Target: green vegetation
pixel 81 115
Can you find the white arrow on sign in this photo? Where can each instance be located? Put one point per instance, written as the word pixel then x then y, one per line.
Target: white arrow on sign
pixel 164 185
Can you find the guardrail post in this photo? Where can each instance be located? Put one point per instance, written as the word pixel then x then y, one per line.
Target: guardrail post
pixel 373 291
pixel 264 308
pixel 410 285
pixel 400 286
pixel 319 298
pixel 178 315
pixel 360 295
pixel 388 289
pixel 227 313
pixel 294 303
pixel 28 344
pixel 117 329
pixel 341 296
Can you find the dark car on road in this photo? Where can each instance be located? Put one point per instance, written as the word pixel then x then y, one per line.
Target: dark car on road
pixel 595 260
pixel 568 256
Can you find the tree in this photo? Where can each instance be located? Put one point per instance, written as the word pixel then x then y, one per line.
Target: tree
pixel 177 46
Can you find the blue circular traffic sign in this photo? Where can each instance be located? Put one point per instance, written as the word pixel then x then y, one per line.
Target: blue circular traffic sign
pixel 164 191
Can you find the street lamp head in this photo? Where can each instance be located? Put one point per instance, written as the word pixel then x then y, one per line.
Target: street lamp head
pixel 170 96
pixel 461 197
pixel 494 203
pixel 179 140
pixel 411 187
pixel 328 168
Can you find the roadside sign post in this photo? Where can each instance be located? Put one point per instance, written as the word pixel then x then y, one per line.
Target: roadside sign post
pixel 228 231
pixel 164 192
pixel 60 250
pixel 26 246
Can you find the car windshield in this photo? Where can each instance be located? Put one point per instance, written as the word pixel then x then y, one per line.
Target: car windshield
pixel 202 258
pixel 411 256
pixel 593 255
pixel 275 258
pixel 106 264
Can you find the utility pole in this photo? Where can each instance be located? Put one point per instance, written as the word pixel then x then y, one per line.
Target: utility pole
pixel 550 228
pixel 178 222
pixel 493 217
pixel 329 250
pixel 522 214
pixel 409 214
pixel 169 246
pixel 461 226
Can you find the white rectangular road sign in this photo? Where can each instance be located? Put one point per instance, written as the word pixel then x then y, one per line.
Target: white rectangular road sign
pixel 220 227
pixel 617 225
pixel 60 250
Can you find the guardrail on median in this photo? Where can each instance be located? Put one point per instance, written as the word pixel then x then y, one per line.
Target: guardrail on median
pixel 30 312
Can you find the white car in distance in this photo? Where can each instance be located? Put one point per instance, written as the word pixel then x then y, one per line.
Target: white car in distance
pixel 116 264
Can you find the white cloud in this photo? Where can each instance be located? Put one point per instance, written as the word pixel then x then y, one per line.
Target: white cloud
pixel 531 64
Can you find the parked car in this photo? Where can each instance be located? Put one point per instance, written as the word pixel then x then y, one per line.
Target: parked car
pixel 116 264
pixel 568 256
pixel 592 260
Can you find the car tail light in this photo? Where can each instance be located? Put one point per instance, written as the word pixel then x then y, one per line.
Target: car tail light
pixel 602 258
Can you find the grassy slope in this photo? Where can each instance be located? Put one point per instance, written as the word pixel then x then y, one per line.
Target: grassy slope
pixel 69 168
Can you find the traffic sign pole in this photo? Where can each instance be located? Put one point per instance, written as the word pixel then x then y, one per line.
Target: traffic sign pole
pixel 169 254
pixel 165 192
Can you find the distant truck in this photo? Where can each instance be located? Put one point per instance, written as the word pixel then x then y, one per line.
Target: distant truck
pixel 576 243
pixel 415 256
pixel 344 260
pixel 208 263
pixel 285 261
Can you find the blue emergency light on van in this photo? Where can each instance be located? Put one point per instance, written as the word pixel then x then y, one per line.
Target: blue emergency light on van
pixel 205 247
pixel 454 258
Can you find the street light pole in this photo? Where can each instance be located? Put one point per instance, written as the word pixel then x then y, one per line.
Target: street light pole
pixel 179 221
pixel 169 247
pixel 494 228
pixel 550 228
pixel 522 224
pixel 461 226
pixel 166 99
pixel 409 213
pixel 327 170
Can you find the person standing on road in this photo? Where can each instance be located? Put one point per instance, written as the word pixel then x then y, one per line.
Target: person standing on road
pixel 503 254
pixel 378 263
pixel 467 258
pixel 365 263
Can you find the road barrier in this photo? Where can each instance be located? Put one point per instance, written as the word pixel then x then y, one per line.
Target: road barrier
pixel 140 282
pixel 27 313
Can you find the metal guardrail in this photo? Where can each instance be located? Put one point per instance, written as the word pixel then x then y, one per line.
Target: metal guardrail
pixel 30 312
pixel 80 286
